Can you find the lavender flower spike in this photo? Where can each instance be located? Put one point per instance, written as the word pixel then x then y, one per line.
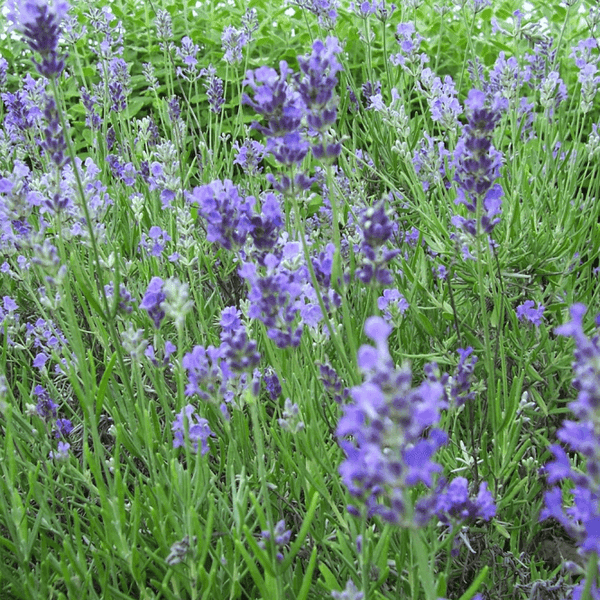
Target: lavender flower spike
pixel 582 520
pixel 381 431
pixel 39 21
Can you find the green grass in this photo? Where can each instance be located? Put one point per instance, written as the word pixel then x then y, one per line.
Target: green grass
pixel 105 522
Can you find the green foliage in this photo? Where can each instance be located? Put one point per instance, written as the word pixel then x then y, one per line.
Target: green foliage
pixel 127 515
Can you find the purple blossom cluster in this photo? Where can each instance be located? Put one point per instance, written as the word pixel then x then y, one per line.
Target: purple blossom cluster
pixel 454 505
pixel 279 537
pixel 284 99
pixel 462 380
pixel 46 340
pixel 526 311
pixel 581 520
pixel 153 301
pixel 324 10
pixel 214 89
pixel 587 59
pixel 237 348
pixel 409 58
pixel 227 213
pixel 9 319
pixel 39 22
pixel 190 430
pixel 377 230
pixel 393 305
pixel 383 431
pixel 61 428
pixel 276 296
pixel 477 166
pixel 442 99
pixel 333 385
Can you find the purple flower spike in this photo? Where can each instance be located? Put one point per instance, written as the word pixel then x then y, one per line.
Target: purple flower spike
pixel 45 408
pixel 198 430
pixel 39 21
pixel 274 99
pixel 153 299
pixel 382 431
pixel 229 215
pixel 582 519
pixel 533 315
pixel 477 165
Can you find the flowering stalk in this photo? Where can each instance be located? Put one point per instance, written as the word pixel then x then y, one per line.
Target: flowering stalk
pixel 581 521
pixel 43 17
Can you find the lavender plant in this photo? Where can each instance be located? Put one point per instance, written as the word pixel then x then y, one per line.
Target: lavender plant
pixel 232 239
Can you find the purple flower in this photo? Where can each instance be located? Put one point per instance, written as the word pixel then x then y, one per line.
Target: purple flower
pixel 350 592
pixel 207 372
pixel 46 408
pixel 334 387
pixel 324 10
pixel 124 302
pixel 429 161
pixel 392 303
pixel 280 536
pixel 237 349
pixel 248 156
pixel 381 431
pixel 441 96
pixel 233 40
pixel 62 451
pixel 581 520
pixel 90 102
pixel 478 164
pixel 587 62
pixel 289 149
pixel 39 21
pixel 155 241
pixel 267 226
pixel 408 58
pixel 317 83
pixel 188 427
pixel 162 360
pixel 454 503
pixel 227 213
pixel 62 428
pixel 119 81
pixel 533 315
pixel 274 99
pixel 272 384
pixel 377 230
pixel 54 144
pixel 187 53
pixel 275 297
pixel 460 388
pixel 153 299
pixel 214 89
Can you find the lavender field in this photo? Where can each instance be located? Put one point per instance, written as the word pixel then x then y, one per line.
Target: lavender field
pixel 299 300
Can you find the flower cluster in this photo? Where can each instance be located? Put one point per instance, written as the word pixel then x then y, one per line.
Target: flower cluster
pixel 189 428
pixel 377 231
pixel 280 537
pixel 383 431
pixel 47 410
pixel 237 348
pixel 285 99
pixel 227 213
pixel 526 311
pixel 581 520
pixel 39 21
pixel 409 58
pixel 477 165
